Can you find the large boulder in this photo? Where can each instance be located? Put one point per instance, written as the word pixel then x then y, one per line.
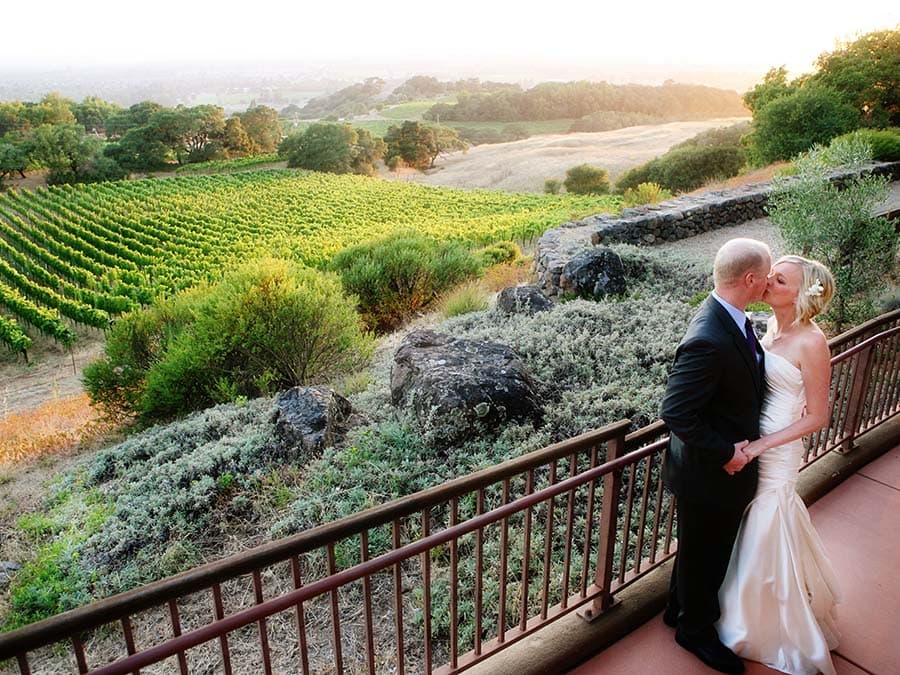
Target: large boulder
pixel 310 418
pixel 523 300
pixel 457 388
pixel 594 273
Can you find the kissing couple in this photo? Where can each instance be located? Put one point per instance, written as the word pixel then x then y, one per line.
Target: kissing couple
pixel 751 578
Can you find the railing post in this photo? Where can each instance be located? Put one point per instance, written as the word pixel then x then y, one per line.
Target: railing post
pixel 612 484
pixel 861 375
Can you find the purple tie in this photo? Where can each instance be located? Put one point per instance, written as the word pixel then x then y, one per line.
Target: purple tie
pixel 752 342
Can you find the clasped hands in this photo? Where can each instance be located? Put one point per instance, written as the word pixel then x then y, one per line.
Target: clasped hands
pixel 739 460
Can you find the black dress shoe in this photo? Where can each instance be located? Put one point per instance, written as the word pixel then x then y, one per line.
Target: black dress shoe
pixel 670 616
pixel 714 654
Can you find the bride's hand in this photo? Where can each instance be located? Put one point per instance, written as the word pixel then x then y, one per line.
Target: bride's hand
pixel 755 449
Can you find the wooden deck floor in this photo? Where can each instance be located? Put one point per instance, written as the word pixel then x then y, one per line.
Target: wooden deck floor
pixel 859 522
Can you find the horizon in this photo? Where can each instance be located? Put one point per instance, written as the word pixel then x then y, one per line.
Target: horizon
pixel 691 43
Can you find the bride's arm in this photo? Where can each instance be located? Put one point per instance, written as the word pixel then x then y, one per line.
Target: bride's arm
pixel 815 367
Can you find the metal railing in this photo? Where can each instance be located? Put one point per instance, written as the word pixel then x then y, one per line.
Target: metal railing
pixel 444 578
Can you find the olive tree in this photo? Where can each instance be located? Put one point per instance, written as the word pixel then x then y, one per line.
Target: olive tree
pixel 833 223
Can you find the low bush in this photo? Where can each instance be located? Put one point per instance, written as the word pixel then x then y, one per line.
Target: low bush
pixel 401 274
pixel 469 297
pixel 884 143
pixel 585 179
pixel 499 252
pixel 719 137
pixel 645 193
pixel 267 327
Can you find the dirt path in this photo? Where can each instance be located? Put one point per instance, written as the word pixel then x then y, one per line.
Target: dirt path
pixel 523 166
pixel 50 375
pixel 708 243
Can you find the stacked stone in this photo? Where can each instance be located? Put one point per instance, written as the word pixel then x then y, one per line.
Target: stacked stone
pixel 654 224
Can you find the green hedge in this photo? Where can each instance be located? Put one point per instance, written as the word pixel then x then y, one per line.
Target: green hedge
pixel 400 274
pixel 686 168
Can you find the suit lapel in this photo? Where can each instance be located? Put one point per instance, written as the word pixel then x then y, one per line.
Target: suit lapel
pixel 740 341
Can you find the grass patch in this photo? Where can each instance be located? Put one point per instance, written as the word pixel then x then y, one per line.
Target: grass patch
pixel 52 427
pixel 413 110
pixel 469 297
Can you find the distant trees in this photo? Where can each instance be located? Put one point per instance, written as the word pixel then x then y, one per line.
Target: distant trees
pixel 71 155
pixel 236 141
pixel 559 100
pixel 13 159
pixel 93 112
pixel 417 88
pixel 418 145
pixel 333 147
pixel 262 127
pixel 357 99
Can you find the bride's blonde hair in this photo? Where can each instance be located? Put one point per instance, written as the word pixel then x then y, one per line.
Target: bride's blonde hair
pixel 816 288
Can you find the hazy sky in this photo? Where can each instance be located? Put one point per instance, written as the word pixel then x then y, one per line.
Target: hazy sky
pixel 690 33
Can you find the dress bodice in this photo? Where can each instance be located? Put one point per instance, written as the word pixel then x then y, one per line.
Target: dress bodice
pixel 784 403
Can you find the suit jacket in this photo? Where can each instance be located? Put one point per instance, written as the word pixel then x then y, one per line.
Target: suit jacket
pixel 713 400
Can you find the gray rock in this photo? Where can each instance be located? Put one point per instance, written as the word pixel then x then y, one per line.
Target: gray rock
pixel 7 571
pixel 310 418
pixel 457 388
pixel 523 300
pixel 594 273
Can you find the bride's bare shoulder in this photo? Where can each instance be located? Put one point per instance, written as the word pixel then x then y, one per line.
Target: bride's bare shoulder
pixel 813 343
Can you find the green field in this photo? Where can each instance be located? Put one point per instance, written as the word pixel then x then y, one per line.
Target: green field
pixel 409 111
pixel 88 252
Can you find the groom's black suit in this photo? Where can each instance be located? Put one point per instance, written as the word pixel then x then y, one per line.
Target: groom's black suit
pixel 712 401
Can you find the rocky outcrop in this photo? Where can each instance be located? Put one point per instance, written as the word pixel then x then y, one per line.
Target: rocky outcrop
pixel 522 300
pixel 593 273
pixel 310 418
pixel 457 388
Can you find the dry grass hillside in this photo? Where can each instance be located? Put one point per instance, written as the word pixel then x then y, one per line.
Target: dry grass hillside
pixel 523 166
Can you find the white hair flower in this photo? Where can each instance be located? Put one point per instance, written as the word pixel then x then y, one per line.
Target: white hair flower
pixel 816 289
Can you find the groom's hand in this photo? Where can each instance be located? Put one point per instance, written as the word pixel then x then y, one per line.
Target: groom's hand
pixel 738 460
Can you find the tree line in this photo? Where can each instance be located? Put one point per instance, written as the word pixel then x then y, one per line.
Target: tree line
pixel 855 86
pixel 96 140
pixel 561 100
pixel 340 148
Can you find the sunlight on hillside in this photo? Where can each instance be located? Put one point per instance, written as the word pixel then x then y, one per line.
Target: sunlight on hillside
pixel 54 427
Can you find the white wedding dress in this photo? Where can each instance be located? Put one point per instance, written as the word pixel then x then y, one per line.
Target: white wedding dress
pixel 779 594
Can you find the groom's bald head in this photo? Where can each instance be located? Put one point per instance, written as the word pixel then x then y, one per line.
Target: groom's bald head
pixel 737 258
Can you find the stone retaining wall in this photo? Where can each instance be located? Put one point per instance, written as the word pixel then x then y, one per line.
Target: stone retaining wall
pixel 659 223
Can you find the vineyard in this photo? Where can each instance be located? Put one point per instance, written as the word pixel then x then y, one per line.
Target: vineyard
pixel 86 253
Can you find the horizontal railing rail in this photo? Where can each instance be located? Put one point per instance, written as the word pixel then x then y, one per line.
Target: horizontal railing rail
pixel 449 575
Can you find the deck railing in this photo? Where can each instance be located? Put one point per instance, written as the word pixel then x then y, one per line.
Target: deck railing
pixel 441 579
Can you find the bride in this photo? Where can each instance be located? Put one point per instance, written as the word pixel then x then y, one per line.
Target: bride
pixel 779 593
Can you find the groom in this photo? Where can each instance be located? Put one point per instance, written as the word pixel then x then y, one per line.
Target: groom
pixel 712 406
